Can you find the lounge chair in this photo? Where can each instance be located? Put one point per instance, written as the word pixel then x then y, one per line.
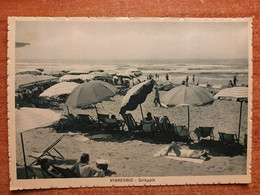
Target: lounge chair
pixel 47 152
pixel 148 127
pixel 112 124
pixel 181 133
pixel 203 132
pixel 131 124
pixel 102 117
pixel 228 139
pixel 39 173
pixel 164 128
pixel 65 172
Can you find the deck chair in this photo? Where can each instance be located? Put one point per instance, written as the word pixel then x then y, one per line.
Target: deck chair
pixel 203 132
pixel 164 128
pixel 148 127
pixel 228 139
pixel 112 125
pixel 39 173
pixel 86 119
pixel 65 172
pixel 47 152
pixel 102 117
pixel 131 123
pixel 181 133
pixel 158 126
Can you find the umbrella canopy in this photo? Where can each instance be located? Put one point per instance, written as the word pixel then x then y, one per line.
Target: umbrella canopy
pixel 90 93
pixel 31 118
pixel 234 93
pixel 59 89
pixel 136 95
pixel 186 96
pixel 237 94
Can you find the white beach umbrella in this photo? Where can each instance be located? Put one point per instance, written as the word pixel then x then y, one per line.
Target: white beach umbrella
pixel 239 94
pixel 59 89
pixel 31 118
pixel 187 96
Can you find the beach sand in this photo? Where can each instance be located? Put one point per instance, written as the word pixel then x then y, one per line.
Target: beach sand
pixel 129 158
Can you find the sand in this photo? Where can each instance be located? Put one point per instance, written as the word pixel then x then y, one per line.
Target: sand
pixel 136 157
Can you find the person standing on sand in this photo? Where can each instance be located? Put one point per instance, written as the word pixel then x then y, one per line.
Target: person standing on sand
pixel 187 81
pixel 167 77
pixel 235 80
pixel 193 78
pixel 157 98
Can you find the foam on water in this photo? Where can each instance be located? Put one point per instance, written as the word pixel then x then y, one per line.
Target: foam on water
pixel 212 71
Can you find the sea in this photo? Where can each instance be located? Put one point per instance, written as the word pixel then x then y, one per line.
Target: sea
pixel 207 71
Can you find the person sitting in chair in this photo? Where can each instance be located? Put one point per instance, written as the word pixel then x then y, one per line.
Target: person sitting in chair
pixel 186 153
pixel 83 169
pixel 148 123
pixel 112 123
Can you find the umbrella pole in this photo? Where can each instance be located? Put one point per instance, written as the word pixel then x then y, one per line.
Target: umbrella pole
pixel 68 110
pixel 24 158
pixel 142 111
pixel 239 125
pixel 188 118
pixel 97 114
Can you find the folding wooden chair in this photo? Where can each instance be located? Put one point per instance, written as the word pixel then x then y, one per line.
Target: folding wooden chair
pixel 47 152
pixel 39 173
pixel 203 132
pixel 228 139
pixel 102 117
pixel 65 172
pixel 181 133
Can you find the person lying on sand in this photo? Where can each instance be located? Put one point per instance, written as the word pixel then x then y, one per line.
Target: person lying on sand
pixel 83 169
pixel 187 153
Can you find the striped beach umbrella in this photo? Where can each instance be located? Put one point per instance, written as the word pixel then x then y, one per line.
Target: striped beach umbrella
pixel 187 96
pixel 136 96
pixel 239 94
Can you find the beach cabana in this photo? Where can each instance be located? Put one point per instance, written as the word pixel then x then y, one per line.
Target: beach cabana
pixel 187 96
pixel 59 89
pixel 136 96
pixel 239 94
pixel 31 118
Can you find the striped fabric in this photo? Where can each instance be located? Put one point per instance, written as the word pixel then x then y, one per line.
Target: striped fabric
pixel 232 93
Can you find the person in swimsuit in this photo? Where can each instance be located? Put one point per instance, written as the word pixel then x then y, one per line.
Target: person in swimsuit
pixel 186 153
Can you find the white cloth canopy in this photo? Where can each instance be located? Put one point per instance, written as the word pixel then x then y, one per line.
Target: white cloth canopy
pixel 59 89
pixel 232 93
pixel 31 118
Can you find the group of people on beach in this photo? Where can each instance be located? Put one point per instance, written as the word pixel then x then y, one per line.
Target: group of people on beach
pixel 81 169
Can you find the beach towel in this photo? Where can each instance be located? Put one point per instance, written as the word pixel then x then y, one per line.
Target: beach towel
pixel 173 156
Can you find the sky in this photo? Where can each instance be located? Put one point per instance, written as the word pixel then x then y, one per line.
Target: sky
pixel 125 39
